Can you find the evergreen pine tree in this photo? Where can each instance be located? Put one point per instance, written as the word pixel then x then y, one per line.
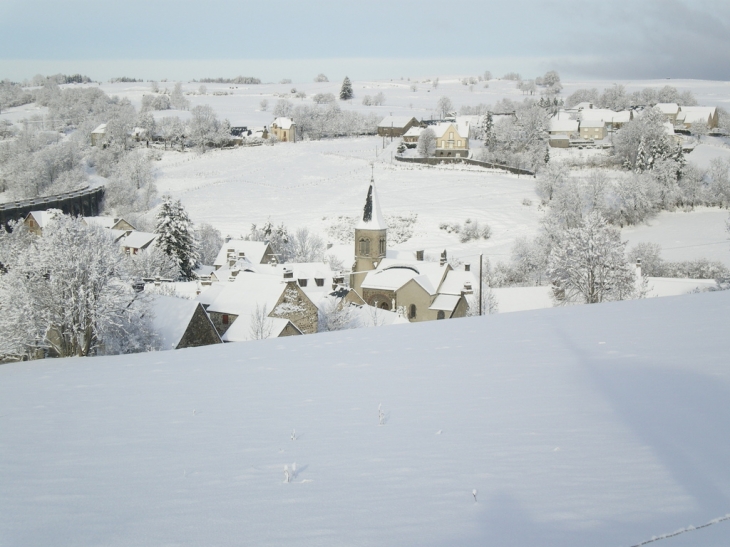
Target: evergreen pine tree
pixel 176 236
pixel 488 130
pixel 346 92
pixel 547 154
pixel 640 164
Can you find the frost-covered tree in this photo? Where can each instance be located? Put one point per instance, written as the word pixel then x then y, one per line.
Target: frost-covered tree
pixel 210 242
pixel 152 262
pixel 176 236
pixel 304 246
pixel 283 109
pixel 203 126
pixel 488 130
pixel 177 99
pixel 264 104
pixel 131 187
pixel 426 146
pixel 69 293
pixel 321 78
pixel 171 129
pixel 346 92
pixel 650 254
pixel 444 106
pixel 587 264
pixel 643 141
pixel 335 314
pixel 261 325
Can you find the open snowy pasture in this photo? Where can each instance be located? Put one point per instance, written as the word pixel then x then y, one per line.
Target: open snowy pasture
pixel 311 183
pixel 600 425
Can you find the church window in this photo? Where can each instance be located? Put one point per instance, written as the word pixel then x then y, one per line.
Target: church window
pixel 382 245
pixel 440 314
pixel 364 247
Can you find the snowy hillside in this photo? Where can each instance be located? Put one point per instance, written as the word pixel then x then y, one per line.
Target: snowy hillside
pixel 595 425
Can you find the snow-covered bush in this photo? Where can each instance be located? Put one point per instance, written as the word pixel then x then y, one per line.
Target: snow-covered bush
pixel 324 98
pixel 471 230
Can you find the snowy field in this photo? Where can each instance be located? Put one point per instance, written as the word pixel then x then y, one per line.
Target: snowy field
pixel 598 425
pixel 310 183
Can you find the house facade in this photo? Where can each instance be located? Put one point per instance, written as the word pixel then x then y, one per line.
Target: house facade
pixel 452 140
pixel 284 129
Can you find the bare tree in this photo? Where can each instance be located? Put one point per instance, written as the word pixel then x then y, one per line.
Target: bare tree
pixel 261 326
pixel 427 143
pixel 444 106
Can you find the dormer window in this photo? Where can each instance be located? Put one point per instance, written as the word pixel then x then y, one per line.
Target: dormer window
pixel 319 281
pixel 302 282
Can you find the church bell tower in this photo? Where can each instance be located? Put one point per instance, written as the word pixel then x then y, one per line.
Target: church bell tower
pixel 371 239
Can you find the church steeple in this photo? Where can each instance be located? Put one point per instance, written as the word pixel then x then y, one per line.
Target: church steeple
pixel 371 234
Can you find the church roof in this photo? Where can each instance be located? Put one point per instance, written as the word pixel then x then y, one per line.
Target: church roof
pixel 372 216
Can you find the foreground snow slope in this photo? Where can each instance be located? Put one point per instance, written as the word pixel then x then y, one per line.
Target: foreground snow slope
pixel 593 425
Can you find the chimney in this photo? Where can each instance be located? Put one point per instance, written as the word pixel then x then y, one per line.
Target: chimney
pixel 288 274
pixel 467 267
pixel 158 281
pixel 227 239
pixel 467 288
pixel 443 258
pixel 638 267
pixel 419 256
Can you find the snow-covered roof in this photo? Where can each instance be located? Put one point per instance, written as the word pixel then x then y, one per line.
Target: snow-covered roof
pixel 100 130
pixel 440 129
pixel 445 302
pixel 240 330
pixel 563 125
pixel 668 128
pixel 590 124
pixel 692 114
pixel 605 115
pixel 171 318
pixel 668 108
pixel 414 131
pixel 118 234
pixel 456 280
pixel 137 240
pixel 672 286
pixel 396 121
pixel 42 218
pixel 392 274
pixel 283 123
pixel 372 217
pixel 248 290
pixel 583 106
pixel 104 221
pixel 254 251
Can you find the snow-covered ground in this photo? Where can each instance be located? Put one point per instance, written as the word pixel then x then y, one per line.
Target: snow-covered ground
pixel 599 425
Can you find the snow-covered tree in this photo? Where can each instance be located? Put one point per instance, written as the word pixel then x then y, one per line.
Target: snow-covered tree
pixel 304 246
pixel 152 262
pixel 260 324
pixel 335 314
pixel 643 141
pixel 131 187
pixel 264 104
pixel 176 236
pixel 426 146
pixel 69 292
pixel 210 242
pixel 177 99
pixel 171 129
pixel 346 92
pixel 202 126
pixel 283 109
pixel 488 130
pixel 587 264
pixel 321 78
pixel 444 106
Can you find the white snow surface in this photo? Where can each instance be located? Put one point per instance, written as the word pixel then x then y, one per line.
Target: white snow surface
pixel 601 425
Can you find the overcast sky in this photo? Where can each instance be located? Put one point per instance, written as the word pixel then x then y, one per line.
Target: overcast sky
pixel 368 39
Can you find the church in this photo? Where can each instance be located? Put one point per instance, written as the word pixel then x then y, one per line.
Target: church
pixel 404 281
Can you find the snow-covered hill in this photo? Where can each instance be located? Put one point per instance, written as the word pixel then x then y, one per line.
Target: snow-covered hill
pixel 597 425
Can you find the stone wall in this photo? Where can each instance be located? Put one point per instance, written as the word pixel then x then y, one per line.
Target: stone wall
pixel 436 161
pixel 200 331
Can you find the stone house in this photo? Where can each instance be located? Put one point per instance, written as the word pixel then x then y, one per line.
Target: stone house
pixel 396 126
pixel 134 242
pixel 35 221
pixel 670 111
pixel 181 323
pixel 689 115
pixel 452 139
pixel 284 129
pixel 412 135
pixel 110 223
pixel 251 300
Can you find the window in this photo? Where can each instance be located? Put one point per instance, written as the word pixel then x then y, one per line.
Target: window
pixel 412 312
pixel 319 281
pixel 458 143
pixel 224 318
pixel 440 314
pixel 451 135
pixel 364 247
pixel 382 245
pixel 443 144
pixel 302 282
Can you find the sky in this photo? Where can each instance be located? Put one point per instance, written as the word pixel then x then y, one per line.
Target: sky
pixel 185 39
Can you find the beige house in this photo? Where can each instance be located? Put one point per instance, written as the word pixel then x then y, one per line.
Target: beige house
pixel 594 130
pixel 110 223
pixel 35 221
pixel 98 136
pixel 412 135
pixel 689 115
pixel 563 126
pixel 670 111
pixel 452 140
pixel 284 129
pixel 134 242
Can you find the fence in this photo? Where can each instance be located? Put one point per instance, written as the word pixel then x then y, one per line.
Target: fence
pixel 86 202
pixel 488 165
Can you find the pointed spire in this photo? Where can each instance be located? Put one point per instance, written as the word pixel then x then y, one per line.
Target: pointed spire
pixel 372 217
